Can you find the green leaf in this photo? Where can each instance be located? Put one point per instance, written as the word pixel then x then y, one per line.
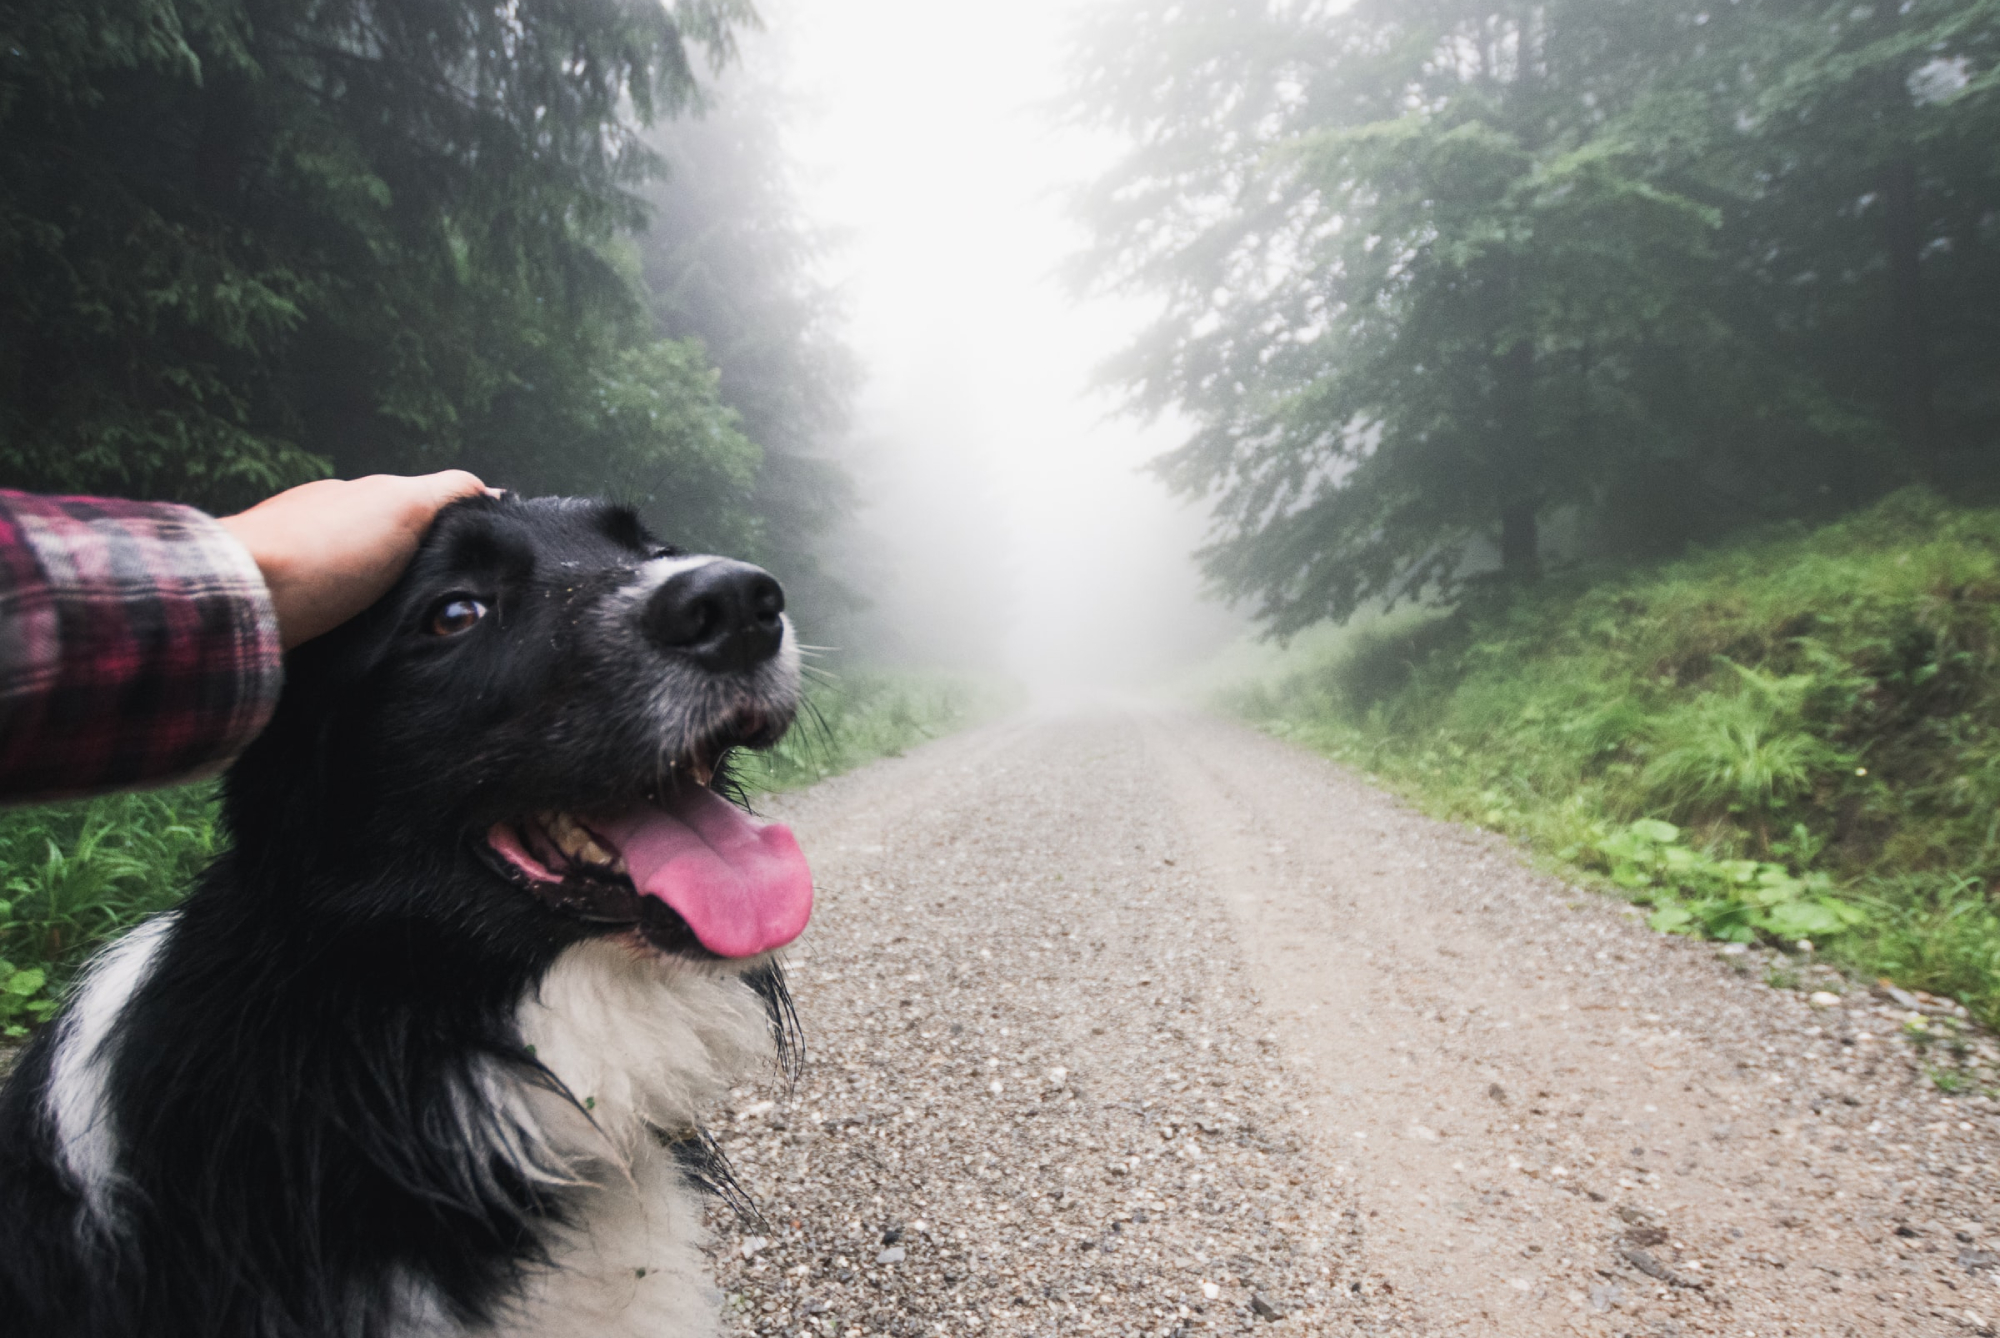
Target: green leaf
pixel 24 983
pixel 1679 859
pixel 1802 919
pixel 1671 918
pixel 1776 887
pixel 1623 847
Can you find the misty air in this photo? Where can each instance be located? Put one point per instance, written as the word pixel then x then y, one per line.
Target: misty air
pixel 1146 668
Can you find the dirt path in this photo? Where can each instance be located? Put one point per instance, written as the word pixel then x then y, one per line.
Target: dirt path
pixel 1148 1024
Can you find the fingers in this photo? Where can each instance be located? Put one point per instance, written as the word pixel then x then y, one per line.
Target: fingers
pixel 447 486
pixel 414 499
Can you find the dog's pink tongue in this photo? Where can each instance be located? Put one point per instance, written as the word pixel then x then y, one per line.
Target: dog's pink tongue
pixel 742 885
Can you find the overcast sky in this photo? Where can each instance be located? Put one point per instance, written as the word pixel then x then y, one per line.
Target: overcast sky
pixel 1015 494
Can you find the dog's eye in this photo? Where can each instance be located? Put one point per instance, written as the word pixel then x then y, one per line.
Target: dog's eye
pixel 456 614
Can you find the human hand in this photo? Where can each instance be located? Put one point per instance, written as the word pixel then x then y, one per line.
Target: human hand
pixel 330 549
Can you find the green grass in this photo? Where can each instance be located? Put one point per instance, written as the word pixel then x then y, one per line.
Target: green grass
pixel 1797 736
pixel 865 714
pixel 75 874
pixel 72 875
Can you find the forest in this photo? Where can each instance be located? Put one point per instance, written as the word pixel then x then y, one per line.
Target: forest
pixel 1449 289
pixel 247 244
pixel 1452 290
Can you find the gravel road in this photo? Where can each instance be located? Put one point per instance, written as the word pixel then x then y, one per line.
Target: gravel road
pixel 1141 1023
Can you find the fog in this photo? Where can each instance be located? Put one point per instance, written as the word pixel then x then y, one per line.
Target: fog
pixel 1014 524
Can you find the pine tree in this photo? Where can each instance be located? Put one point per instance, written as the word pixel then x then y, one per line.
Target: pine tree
pixel 1435 272
pixel 1417 286
pixel 246 241
pixel 1867 191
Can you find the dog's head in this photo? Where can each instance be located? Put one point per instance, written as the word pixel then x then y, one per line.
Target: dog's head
pixel 522 738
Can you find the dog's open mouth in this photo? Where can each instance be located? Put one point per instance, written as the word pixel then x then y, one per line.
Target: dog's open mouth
pixel 739 885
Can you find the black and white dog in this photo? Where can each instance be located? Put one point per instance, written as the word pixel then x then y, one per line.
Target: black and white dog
pixel 423 1054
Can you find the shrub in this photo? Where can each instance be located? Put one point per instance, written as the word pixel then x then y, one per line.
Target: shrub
pixel 1814 715
pixel 1748 751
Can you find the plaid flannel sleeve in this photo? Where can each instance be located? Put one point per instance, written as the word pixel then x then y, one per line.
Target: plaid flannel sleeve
pixel 137 645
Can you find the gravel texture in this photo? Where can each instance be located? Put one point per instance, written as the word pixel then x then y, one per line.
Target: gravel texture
pixel 1039 1093
pixel 1146 1024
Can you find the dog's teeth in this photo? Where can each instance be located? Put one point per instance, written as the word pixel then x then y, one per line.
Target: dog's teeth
pixel 577 843
pixel 570 837
pixel 703 773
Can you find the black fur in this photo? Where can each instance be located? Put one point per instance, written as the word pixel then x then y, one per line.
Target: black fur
pixel 703 1163
pixel 294 1088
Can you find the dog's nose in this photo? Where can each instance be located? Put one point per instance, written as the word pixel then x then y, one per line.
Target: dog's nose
pixel 722 614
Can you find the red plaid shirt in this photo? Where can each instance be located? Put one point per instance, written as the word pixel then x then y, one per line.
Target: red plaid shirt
pixel 137 644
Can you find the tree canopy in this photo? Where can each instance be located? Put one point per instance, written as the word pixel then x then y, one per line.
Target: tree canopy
pixel 247 242
pixel 1436 274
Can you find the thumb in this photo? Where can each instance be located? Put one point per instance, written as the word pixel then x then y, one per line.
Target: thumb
pixel 446 486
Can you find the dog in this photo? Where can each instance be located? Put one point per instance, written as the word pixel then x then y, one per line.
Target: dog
pixel 424 1052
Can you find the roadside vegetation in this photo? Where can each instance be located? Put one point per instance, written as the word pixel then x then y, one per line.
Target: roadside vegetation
pixel 865 714
pixel 74 875
pixel 1792 737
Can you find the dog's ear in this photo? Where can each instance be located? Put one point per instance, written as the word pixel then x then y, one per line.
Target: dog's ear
pixel 621 524
pixel 284 787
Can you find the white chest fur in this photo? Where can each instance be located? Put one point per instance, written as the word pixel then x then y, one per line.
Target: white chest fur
pixel 643 1044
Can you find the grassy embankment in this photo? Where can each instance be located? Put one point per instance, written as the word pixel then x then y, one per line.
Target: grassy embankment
pixel 1794 737
pixel 72 875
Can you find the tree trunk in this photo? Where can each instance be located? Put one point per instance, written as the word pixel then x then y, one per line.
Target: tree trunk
pixel 1912 390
